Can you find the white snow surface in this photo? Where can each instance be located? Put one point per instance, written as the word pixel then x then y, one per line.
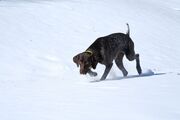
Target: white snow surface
pixel 39 81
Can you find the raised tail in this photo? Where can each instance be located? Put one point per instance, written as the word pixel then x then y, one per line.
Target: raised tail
pixel 128 31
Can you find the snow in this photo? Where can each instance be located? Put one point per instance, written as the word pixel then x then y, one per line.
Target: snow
pixel 39 81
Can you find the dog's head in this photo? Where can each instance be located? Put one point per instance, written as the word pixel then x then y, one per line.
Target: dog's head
pixel 85 60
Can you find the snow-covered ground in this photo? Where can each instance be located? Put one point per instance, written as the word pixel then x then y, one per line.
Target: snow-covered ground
pixel 39 81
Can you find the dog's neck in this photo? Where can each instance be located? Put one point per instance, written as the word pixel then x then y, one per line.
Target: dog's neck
pixel 95 49
pixel 90 52
pixel 96 55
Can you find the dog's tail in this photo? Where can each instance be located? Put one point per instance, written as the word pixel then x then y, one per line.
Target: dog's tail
pixel 128 31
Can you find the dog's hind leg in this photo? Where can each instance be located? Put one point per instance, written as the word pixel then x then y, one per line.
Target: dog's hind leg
pixel 119 63
pixel 136 57
pixel 138 67
pixel 107 69
pixel 131 56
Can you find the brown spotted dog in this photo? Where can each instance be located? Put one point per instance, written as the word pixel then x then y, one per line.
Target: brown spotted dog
pixel 106 49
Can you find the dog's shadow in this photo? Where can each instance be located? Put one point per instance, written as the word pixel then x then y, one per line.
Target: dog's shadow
pixel 147 73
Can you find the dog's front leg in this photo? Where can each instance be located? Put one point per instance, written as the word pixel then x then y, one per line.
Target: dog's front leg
pixel 106 71
pixel 91 73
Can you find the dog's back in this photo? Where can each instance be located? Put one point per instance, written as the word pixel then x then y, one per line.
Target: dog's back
pixel 109 46
pixel 113 43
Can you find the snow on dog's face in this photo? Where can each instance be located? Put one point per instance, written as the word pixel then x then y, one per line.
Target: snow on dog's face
pixel 84 61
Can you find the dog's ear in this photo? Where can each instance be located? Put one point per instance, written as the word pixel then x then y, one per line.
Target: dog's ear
pixel 93 62
pixel 76 59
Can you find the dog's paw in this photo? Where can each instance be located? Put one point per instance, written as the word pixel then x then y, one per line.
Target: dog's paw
pixel 93 74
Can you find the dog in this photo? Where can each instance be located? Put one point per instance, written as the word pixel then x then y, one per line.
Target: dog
pixel 106 49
